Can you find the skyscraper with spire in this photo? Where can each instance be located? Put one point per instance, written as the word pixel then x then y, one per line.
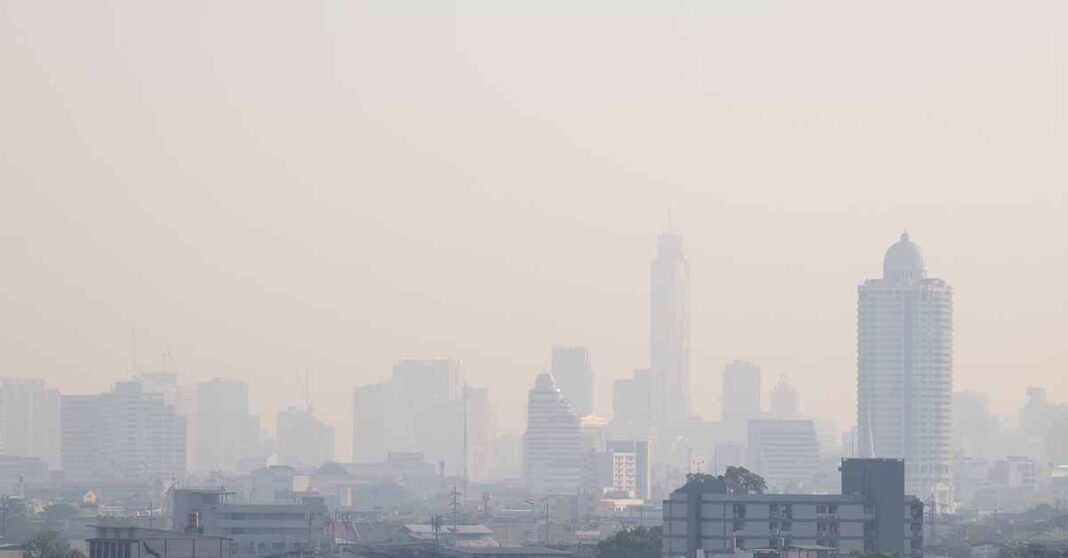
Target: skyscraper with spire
pixel 669 331
pixel 905 371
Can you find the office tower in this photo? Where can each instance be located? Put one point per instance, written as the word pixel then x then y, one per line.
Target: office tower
pixel 872 514
pixel 741 398
pixel 784 400
pixel 631 468
pixel 905 371
pixel 669 331
pixel 632 405
pixel 785 452
pixel 552 445
pixel 303 441
pixel 124 433
pixel 419 408
pixel 571 368
pixel 481 434
pixel 225 431
pixel 29 420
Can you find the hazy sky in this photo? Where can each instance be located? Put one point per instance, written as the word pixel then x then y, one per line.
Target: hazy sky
pixel 265 187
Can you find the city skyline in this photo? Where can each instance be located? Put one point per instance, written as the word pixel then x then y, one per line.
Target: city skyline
pixel 329 224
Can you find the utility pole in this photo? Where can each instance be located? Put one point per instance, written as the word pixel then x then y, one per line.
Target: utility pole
pixel 546 522
pixel 466 478
pixel 455 509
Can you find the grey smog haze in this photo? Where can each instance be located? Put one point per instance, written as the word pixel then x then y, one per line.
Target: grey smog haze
pixel 254 189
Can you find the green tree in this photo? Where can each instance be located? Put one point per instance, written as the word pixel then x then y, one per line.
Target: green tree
pixel 743 481
pixel 631 543
pixel 735 480
pixel 47 544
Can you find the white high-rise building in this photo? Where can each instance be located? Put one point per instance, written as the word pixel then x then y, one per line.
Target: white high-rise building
pixel 669 331
pixel 905 371
pixel 29 420
pixel 552 445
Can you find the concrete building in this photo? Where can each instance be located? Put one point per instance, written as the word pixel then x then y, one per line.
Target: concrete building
pixel 255 529
pixel 272 485
pixel 1015 472
pixel 669 331
pixel 225 431
pixel 785 452
pixel 122 541
pixel 29 420
pixel 871 514
pixel 125 433
pixel 552 444
pixel 419 408
pixel 303 441
pixel 631 468
pixel 741 399
pixel 905 371
pixel 574 377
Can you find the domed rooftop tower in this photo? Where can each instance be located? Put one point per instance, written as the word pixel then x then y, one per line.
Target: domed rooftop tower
pixel 904 261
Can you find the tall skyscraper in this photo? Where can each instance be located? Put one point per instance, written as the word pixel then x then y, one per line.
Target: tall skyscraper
pixel 741 398
pixel 304 442
pixel 29 420
pixel 225 431
pixel 571 368
pixel 905 371
pixel 552 445
pixel 669 331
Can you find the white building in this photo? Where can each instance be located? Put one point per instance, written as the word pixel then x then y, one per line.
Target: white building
pixel 552 445
pixel 905 371
pixel 785 452
pixel 669 331
pixel 29 420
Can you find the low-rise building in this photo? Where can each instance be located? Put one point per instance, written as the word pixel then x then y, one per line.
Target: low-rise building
pixel 871 514
pixel 139 542
pixel 255 529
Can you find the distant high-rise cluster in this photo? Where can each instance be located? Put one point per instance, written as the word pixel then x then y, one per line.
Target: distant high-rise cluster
pixel 905 370
pixel 124 433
